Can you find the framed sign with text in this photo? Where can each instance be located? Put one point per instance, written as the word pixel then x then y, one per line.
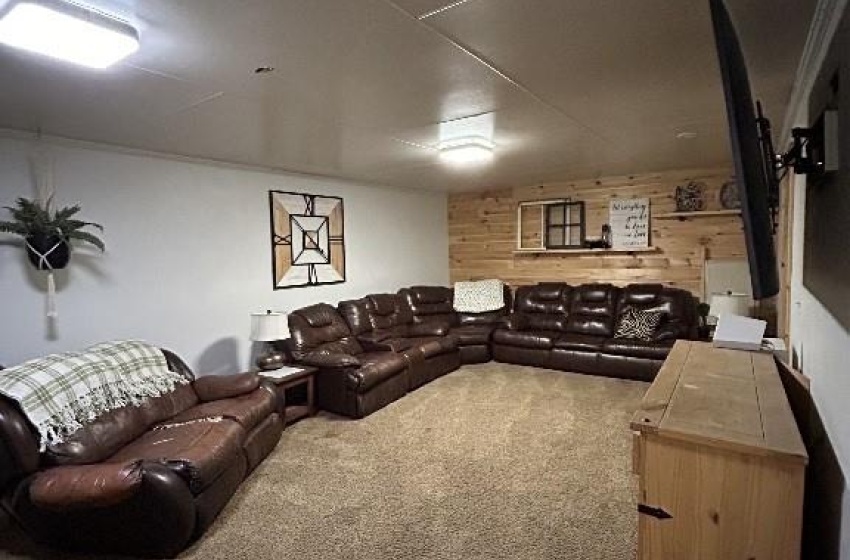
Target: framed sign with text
pixel 629 220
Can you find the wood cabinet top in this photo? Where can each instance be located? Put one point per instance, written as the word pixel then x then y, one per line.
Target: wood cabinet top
pixel 724 398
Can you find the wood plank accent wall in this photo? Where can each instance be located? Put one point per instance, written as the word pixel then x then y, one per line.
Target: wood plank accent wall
pixel 482 233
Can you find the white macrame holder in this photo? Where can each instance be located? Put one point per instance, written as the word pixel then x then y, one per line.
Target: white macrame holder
pixel 42 167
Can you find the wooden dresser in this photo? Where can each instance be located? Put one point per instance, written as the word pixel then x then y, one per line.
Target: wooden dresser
pixel 720 459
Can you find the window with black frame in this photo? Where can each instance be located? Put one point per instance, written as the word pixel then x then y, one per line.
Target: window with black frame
pixel 565 227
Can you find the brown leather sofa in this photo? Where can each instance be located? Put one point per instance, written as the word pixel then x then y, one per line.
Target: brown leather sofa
pixel 384 321
pixel 558 326
pixel 471 330
pixel 369 352
pixel 140 480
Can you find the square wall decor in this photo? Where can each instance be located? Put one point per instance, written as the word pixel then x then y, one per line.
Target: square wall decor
pixel 308 239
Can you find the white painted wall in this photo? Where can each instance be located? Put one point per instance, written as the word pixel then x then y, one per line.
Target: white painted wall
pixel 188 253
pixel 821 344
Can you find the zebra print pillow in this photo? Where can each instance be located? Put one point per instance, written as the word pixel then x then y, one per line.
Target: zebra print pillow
pixel 635 323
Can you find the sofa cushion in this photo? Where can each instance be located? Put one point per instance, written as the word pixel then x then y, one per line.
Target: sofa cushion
pixel 592 310
pixel 320 326
pixel 433 345
pixel 429 303
pixel 583 342
pixel 375 368
pixel 634 348
pixel 248 410
pixel 526 339
pixel 468 335
pixel 198 451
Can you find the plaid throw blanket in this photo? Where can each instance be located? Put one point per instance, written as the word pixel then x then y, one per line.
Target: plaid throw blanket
pixel 480 296
pixel 61 392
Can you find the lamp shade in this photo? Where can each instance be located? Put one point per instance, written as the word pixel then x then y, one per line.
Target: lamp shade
pixel 269 326
pixel 729 303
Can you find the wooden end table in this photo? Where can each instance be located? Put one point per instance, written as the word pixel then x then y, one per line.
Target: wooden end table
pixel 286 382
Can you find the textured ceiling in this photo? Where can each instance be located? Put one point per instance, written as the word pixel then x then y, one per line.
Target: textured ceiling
pixel 577 89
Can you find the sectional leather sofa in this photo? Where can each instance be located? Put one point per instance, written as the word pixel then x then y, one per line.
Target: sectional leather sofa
pixel 140 480
pixel 371 351
pixel 557 326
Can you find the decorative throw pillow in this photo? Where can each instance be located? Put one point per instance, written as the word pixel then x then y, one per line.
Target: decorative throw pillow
pixel 635 323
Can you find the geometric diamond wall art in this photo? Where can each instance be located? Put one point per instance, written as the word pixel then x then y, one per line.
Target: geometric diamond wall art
pixel 308 239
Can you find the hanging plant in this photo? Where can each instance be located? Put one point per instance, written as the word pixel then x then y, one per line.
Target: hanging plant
pixel 48 234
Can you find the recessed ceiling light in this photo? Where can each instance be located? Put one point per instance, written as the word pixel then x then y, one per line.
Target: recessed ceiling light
pixel 686 135
pixel 466 151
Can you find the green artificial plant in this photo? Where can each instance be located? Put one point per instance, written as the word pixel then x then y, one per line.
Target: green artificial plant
pixel 31 219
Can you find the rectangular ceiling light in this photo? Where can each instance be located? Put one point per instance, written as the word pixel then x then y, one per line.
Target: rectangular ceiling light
pixel 68 32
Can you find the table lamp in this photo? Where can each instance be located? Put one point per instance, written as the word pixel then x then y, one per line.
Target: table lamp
pixel 269 327
pixel 729 303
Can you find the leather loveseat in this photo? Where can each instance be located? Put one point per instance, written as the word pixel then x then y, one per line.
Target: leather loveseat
pixel 384 321
pixel 471 330
pixel 139 480
pixel 369 352
pixel 558 326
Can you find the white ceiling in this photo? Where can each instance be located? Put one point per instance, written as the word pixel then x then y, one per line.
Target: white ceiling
pixel 578 88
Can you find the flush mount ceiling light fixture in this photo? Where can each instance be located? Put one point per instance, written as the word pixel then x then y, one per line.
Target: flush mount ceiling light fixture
pixel 68 32
pixel 466 150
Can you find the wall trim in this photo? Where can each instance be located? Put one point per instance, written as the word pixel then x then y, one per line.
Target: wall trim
pixel 825 23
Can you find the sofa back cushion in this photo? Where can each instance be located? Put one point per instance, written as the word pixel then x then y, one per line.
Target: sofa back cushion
pixel 592 310
pixel 388 312
pixel 430 303
pixel 108 433
pixel 543 306
pixel 678 308
pixel 356 316
pixel 488 317
pixel 320 327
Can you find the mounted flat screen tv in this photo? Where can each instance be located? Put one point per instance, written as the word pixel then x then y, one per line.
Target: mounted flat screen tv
pixel 753 154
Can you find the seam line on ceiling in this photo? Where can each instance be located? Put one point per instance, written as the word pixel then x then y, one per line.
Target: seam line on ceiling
pixel 445 8
pixel 481 59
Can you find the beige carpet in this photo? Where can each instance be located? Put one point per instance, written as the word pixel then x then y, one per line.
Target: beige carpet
pixel 492 461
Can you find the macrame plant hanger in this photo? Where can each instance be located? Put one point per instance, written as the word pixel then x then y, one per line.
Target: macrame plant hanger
pixel 42 168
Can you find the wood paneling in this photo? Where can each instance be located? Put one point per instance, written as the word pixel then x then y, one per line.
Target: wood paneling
pixel 482 233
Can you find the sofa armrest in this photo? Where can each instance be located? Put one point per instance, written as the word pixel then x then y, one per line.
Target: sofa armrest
pixel 96 485
pixel 428 328
pixel 322 359
pixel 216 387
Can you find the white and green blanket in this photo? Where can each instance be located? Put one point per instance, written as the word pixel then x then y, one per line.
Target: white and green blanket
pixel 61 392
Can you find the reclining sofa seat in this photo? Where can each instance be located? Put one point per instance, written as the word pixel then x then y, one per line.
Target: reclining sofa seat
pixel 590 322
pixel 642 359
pixel 385 322
pixel 351 380
pixel 140 480
pixel 471 330
pixel 539 318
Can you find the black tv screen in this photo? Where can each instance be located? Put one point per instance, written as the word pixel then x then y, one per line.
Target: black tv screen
pixel 753 172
